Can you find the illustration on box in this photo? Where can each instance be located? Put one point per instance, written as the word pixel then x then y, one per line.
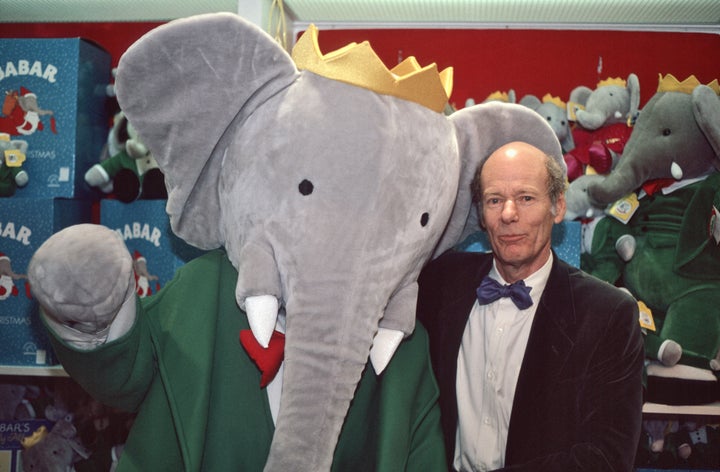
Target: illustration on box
pixel 12 174
pixel 8 278
pixel 52 101
pixel 22 115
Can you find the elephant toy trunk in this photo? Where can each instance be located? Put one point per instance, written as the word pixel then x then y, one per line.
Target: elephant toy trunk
pixel 323 366
pixel 615 186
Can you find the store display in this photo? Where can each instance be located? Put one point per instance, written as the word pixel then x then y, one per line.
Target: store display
pixel 54 99
pixel 660 243
pixel 24 225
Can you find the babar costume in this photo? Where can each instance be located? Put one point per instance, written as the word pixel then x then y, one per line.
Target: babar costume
pixel 320 184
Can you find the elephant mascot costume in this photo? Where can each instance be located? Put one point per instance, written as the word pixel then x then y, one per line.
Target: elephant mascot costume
pixel 664 246
pixel 326 182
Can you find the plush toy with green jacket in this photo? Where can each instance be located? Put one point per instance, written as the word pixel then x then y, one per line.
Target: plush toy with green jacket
pixel 660 238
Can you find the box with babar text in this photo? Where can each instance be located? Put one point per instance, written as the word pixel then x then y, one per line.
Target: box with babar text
pixel 55 111
pixel 26 223
pixel 15 436
pixel 145 227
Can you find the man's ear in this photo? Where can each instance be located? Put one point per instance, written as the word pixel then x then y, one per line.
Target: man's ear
pixel 560 208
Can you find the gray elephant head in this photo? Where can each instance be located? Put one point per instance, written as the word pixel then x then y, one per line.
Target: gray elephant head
pixel 328 185
pixel 677 136
pixel 55 451
pixel 554 111
pixel 612 101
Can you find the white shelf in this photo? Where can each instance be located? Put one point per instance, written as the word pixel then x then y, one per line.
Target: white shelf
pixel 710 409
pixel 39 371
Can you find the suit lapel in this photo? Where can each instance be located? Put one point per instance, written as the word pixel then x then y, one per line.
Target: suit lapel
pixel 547 351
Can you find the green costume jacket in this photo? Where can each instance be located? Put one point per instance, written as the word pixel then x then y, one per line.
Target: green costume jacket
pixel 198 398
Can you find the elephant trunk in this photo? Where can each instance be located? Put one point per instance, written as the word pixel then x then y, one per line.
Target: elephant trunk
pixel 327 348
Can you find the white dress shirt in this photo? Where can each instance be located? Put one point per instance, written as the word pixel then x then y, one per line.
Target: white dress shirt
pixel 491 353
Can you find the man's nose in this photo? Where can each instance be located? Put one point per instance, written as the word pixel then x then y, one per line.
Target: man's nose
pixel 509 211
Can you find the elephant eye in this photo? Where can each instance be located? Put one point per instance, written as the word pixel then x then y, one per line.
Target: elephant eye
pixel 666 132
pixel 424 219
pixel 306 187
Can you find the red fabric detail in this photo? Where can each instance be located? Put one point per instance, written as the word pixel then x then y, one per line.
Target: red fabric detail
pixel 655 185
pixel 53 125
pixel 267 359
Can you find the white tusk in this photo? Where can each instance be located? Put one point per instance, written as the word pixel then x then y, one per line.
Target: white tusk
pixel 262 313
pixel 676 171
pixel 384 346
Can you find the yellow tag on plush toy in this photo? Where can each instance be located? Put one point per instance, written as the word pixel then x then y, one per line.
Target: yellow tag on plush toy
pixel 623 209
pixel 646 317
pixel 572 108
pixel 14 157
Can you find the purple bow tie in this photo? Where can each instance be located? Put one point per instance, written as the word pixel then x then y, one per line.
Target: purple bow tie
pixel 490 290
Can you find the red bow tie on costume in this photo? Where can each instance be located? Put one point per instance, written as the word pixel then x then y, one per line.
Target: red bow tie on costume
pixel 267 359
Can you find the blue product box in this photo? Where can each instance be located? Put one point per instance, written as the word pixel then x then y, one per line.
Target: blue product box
pixel 566 242
pixel 26 223
pixel 54 98
pixel 145 227
pixel 12 434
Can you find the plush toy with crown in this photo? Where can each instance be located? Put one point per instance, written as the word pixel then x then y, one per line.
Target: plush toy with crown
pixel 662 233
pixel 320 184
pixel 554 110
pixel 603 119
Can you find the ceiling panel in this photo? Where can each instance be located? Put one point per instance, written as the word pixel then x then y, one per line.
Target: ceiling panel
pixel 657 14
pixel 504 11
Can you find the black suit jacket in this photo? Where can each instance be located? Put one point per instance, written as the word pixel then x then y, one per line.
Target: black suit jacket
pixel 578 401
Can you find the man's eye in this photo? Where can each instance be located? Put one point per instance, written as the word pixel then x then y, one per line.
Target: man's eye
pixel 526 199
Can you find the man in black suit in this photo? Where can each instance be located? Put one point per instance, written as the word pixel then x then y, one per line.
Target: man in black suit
pixel 547 377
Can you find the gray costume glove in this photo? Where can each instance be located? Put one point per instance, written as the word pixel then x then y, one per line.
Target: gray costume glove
pixel 83 277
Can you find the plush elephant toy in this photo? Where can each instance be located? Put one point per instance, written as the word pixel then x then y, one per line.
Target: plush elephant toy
pixel 665 251
pixel 603 118
pixel 53 451
pixel 12 175
pixel 130 173
pixel 328 180
pixel 554 111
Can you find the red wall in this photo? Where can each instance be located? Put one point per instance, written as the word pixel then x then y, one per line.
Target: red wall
pixel 542 61
pixel 528 61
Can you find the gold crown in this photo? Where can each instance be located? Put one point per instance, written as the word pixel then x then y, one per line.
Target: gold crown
pixel 547 98
pixel 670 84
pixel 498 96
pixel 37 436
pixel 357 64
pixel 612 81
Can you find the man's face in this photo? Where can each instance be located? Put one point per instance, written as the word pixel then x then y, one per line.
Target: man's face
pixel 516 209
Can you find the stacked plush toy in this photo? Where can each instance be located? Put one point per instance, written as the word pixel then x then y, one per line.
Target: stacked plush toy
pixel 660 238
pixel 129 171
pixel 603 120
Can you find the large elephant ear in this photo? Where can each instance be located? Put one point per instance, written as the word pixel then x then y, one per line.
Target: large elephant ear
pixel 706 108
pixel 481 129
pixel 182 86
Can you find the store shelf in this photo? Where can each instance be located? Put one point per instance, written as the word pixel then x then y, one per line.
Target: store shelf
pixel 50 371
pixel 710 409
